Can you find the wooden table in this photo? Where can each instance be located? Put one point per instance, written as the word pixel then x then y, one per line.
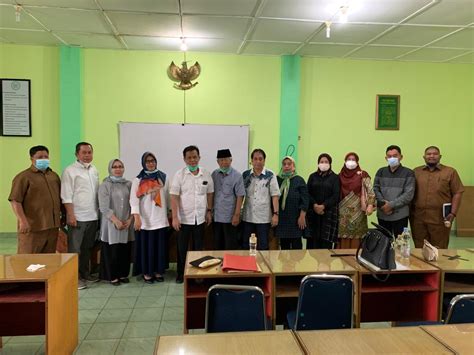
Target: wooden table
pixel 457 276
pixel 458 337
pixel 239 343
pixel 198 281
pixel 41 302
pixel 411 292
pixel 290 266
pixel 403 340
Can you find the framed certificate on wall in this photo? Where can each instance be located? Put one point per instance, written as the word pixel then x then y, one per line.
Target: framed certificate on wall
pixel 15 102
pixel 387 116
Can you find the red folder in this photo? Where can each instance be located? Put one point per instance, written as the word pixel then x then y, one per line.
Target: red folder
pixel 239 263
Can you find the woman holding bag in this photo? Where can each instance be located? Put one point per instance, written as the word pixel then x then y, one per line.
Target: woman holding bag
pixel 357 202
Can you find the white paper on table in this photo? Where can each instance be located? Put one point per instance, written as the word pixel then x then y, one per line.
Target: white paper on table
pixel 35 267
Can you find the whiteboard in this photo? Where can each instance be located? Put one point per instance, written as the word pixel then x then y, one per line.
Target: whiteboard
pixel 167 141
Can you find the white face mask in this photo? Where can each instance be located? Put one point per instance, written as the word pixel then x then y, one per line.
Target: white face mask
pixel 324 166
pixel 351 164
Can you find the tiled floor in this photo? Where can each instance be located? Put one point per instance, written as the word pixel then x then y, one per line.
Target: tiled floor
pixel 128 318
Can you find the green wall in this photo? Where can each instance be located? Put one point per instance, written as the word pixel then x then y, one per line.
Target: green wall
pixel 337 106
pixel 338 112
pixel 40 64
pixel 134 87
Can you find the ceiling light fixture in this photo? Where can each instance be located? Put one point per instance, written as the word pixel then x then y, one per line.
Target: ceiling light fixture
pixel 343 15
pixel 184 46
pixel 17 13
pixel 328 29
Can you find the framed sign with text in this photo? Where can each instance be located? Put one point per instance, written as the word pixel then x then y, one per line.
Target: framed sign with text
pixel 387 112
pixel 15 103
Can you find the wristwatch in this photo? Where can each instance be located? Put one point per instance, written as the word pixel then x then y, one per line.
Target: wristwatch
pixel 275 213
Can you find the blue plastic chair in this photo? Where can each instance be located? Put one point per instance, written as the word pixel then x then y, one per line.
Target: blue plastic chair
pixel 461 309
pixel 235 308
pixel 325 302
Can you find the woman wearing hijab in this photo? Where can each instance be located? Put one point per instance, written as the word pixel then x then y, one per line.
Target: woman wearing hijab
pixel 357 202
pixel 150 209
pixel 116 233
pixel 293 205
pixel 323 188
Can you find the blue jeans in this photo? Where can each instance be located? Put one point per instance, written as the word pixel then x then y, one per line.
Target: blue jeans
pixel 260 229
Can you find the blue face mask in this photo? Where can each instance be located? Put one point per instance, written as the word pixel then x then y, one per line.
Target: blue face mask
pixel 42 164
pixel 224 170
pixel 193 168
pixel 116 178
pixel 393 162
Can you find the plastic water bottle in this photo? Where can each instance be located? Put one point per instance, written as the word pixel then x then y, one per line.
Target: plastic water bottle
pixel 253 244
pixel 406 249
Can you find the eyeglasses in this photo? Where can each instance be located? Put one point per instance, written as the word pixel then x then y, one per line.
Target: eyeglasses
pixel 150 161
pixel 117 167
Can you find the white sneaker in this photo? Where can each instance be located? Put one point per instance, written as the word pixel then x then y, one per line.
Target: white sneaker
pixel 81 285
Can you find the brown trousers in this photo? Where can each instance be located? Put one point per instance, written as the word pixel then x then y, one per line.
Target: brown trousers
pixel 38 242
pixel 436 234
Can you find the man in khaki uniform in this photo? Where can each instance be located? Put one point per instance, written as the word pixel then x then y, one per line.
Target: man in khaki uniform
pixel 36 202
pixel 436 184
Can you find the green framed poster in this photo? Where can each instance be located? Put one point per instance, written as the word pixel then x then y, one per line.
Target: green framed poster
pixel 387 115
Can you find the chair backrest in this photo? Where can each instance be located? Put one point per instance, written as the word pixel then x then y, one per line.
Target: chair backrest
pixel 234 308
pixel 461 309
pixel 325 302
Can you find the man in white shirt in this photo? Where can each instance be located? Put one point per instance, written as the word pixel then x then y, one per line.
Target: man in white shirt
pixel 261 201
pixel 191 194
pixel 79 185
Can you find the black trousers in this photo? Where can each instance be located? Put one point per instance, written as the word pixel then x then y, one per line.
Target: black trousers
pixel 291 243
pixel 226 236
pixel 196 232
pixel 395 227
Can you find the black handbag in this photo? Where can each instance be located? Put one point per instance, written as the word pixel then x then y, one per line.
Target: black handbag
pixel 377 250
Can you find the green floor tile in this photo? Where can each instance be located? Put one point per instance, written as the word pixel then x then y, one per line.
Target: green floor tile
pixel 84 330
pixel 154 290
pixel 141 329
pixel 92 302
pixel 106 331
pixel 88 315
pixel 20 348
pixel 27 339
pixel 99 291
pixel 136 346
pixel 146 314
pixel 173 313
pixel 121 302
pixel 174 301
pixel 114 315
pixel 126 292
pixel 150 301
pixel 97 347
pixel 171 327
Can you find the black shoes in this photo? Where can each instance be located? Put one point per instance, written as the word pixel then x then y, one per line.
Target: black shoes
pixel 179 279
pixel 124 280
pixel 159 278
pixel 148 281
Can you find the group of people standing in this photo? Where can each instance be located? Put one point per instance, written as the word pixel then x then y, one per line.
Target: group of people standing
pixel 330 210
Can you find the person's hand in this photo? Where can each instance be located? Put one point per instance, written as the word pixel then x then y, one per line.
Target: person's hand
pixel 176 224
pixel 118 224
pixel 71 220
pixel 137 223
pixel 319 209
pixel 274 220
pixel 235 219
pixel 450 217
pixel 386 208
pixel 127 223
pixel 369 210
pixel 302 221
pixel 208 217
pixel 316 208
pixel 24 226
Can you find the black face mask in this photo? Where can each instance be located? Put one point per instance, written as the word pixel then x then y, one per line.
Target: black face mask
pixel 432 165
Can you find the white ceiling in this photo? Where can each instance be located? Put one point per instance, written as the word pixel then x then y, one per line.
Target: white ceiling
pixel 405 30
